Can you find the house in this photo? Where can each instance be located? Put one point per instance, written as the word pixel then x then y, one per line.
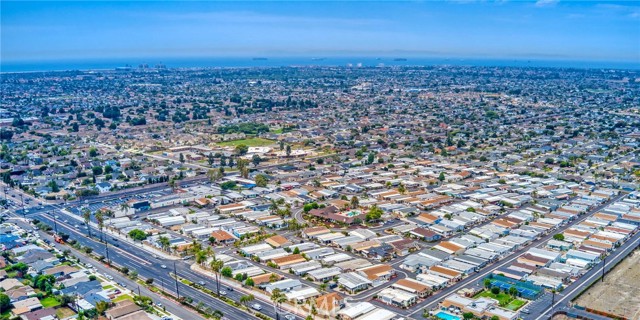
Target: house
pixel 26 305
pixel 277 241
pixel 378 274
pixel 284 285
pixel 415 287
pixel 40 314
pixel 354 282
pixel 329 304
pixel 356 311
pixel 397 298
pixel 103 187
pixel 223 237
pixel 126 310
pixel 425 234
pixel 8 284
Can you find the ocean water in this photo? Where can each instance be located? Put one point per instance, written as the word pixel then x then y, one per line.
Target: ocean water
pixel 33 66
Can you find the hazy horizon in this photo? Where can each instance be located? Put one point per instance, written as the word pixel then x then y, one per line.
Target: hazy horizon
pixel 532 30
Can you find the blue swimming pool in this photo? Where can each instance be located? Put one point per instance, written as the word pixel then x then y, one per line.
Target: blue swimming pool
pixel 446 316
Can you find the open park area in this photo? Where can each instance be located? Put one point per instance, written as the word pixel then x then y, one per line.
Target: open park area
pixel 249 142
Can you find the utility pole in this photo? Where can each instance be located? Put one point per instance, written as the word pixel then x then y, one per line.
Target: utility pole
pixel 24 214
pixel 604 263
pixel 106 249
pixel 55 222
pixel 175 273
pixel 139 291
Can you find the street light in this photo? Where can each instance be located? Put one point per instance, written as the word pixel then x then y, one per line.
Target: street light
pixel 24 214
pixel 55 222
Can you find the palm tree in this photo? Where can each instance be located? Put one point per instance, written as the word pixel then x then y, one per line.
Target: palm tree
pixel 100 219
pixel 354 202
pixel 201 257
pixel 86 214
pixel 277 297
pixel 216 265
pixel 323 287
pixel 246 299
pixel 125 207
pixel 164 242
pixel 195 247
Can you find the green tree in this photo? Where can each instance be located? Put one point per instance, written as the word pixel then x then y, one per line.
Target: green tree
pixel 249 282
pixel 261 180
pixel 559 236
pixel 256 160
pixel 288 150
pixel 137 234
pixel 495 290
pixel 226 272
pixel 487 283
pixel 441 176
pixel 5 302
pixel 513 291
pixel 375 213
pixel 467 315
pixel 164 242
pixel 241 149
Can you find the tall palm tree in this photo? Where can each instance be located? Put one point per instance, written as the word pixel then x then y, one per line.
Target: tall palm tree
pixel 277 297
pixel 100 219
pixel 86 214
pixel 216 265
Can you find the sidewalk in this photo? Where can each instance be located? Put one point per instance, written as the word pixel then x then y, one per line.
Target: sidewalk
pixel 257 294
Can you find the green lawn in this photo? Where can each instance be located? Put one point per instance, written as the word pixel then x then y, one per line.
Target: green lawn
pixel 50 302
pixel 122 297
pixel 251 142
pixel 505 300
pixel 515 304
pixel 107 287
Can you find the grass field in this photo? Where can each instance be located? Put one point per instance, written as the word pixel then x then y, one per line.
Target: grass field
pixel 122 297
pixel 515 304
pixel 50 302
pixel 63 313
pixel 251 142
pixel 505 300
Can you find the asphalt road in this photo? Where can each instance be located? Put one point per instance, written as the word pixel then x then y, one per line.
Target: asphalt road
pixel 134 257
pixel 472 280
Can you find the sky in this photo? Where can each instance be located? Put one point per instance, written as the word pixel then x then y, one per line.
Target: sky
pixel 545 29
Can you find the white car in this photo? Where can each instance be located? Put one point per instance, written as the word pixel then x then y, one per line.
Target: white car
pixel 163 266
pixel 224 293
pixel 256 306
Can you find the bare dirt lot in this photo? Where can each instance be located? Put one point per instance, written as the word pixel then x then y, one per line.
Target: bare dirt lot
pixel 620 292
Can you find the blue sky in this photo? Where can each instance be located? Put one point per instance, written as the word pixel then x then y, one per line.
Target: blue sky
pixel 546 29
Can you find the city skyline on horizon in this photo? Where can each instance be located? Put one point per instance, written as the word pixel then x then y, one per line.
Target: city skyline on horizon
pixel 542 30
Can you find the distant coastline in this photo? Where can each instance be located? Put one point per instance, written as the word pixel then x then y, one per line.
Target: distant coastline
pixel 245 62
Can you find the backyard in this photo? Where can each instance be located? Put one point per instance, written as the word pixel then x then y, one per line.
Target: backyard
pixel 49 302
pixel 250 142
pixel 505 300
